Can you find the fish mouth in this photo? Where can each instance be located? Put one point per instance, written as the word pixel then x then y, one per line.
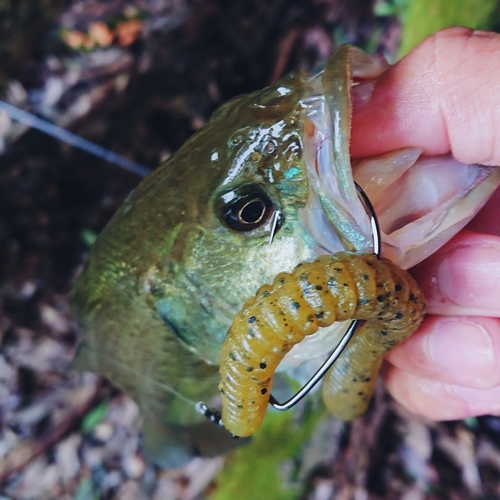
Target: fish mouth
pixel 334 216
pixel 421 202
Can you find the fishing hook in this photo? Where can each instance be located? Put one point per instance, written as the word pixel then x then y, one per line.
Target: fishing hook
pixel 307 387
pixel 274 225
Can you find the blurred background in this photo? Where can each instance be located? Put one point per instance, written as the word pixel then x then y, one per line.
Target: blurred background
pixel 139 77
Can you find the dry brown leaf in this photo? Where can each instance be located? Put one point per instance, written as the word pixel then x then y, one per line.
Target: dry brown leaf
pixel 101 34
pixel 128 32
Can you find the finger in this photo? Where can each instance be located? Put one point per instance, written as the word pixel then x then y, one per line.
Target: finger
pixel 487 220
pixel 443 96
pixel 439 400
pixel 455 350
pixel 463 277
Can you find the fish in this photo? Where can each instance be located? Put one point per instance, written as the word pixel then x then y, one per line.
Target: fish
pixel 265 185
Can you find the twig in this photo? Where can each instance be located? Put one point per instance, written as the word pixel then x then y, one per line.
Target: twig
pixel 285 48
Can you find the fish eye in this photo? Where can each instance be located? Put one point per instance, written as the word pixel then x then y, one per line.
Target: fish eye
pixel 252 212
pixel 247 209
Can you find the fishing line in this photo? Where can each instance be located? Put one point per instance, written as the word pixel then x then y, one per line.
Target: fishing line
pixel 72 139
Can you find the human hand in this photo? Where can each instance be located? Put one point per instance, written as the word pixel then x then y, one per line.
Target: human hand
pixel 444 97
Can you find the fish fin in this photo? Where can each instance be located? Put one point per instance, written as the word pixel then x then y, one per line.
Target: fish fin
pixel 165 446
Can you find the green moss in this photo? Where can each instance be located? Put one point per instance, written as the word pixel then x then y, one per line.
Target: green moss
pixel 421 18
pixel 265 467
pixel 94 417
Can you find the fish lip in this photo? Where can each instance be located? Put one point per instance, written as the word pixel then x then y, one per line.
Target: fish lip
pixel 334 216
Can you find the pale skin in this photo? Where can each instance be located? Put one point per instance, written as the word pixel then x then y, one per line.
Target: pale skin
pixel 444 97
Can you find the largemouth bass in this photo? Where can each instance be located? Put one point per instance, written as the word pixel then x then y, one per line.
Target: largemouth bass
pixel 265 185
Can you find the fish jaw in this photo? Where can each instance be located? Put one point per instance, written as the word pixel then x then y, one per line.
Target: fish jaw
pixel 421 202
pixel 334 205
pixel 334 217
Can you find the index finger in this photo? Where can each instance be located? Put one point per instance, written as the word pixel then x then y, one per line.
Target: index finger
pixel 444 96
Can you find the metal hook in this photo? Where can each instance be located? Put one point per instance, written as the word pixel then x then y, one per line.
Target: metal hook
pixel 215 416
pixel 367 204
pixel 352 327
pixel 274 224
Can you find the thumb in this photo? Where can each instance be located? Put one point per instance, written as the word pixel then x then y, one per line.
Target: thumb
pixel 444 96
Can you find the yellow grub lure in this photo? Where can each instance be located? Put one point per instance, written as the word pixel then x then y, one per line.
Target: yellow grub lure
pixel 331 288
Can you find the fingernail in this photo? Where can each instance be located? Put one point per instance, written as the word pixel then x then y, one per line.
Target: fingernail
pixel 461 346
pixel 469 276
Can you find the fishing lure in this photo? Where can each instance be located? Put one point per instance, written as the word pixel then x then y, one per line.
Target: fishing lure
pixel 331 288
